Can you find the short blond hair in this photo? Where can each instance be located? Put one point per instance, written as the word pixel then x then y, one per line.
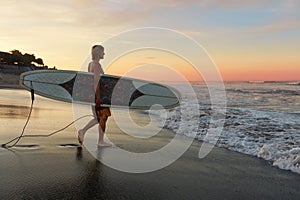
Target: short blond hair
pixel 96 49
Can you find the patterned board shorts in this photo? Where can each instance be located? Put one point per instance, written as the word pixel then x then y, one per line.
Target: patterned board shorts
pixel 101 112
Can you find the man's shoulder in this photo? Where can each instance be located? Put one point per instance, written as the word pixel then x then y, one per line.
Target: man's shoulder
pixel 96 64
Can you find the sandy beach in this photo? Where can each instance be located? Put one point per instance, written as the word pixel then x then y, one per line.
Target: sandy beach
pixel 57 168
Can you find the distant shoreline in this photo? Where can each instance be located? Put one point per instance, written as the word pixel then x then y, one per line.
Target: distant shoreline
pixel 9 79
pixel 16 87
pixel 10 74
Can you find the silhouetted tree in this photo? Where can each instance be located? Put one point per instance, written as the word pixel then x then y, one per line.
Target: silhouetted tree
pixel 16 57
pixel 28 59
pixel 16 52
pixel 39 61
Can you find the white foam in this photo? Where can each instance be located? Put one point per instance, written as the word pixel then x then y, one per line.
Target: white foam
pixel 266 131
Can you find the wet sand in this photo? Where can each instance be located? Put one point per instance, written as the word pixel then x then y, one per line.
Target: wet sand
pixel 71 173
pixel 57 168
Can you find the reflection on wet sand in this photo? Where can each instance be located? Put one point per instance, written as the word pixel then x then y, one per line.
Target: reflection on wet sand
pixel 12 111
pixel 92 183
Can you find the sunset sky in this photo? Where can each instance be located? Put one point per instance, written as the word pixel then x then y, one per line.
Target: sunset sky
pixel 247 40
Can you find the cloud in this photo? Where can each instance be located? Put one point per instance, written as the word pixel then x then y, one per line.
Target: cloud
pixel 107 15
pixel 275 27
pixel 113 13
pixel 267 29
pixel 69 13
pixel 203 3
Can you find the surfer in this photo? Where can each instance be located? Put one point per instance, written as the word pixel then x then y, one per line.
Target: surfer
pixel 101 114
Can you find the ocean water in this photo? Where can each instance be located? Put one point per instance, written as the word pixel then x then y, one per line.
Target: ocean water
pixel 262 119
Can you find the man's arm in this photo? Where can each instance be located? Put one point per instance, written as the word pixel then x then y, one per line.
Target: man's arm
pixel 97 72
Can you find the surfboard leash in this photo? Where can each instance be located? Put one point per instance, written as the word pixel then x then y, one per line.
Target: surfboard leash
pixel 17 139
pixel 47 135
pixel 23 130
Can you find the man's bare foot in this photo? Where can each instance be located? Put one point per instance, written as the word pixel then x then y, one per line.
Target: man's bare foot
pixel 80 137
pixel 104 144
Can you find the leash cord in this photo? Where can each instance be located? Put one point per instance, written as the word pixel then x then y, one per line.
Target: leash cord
pixel 17 139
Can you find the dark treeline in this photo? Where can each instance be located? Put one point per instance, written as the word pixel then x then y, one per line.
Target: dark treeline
pixel 15 57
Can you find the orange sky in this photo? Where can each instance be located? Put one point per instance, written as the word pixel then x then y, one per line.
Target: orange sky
pixel 242 68
pixel 153 64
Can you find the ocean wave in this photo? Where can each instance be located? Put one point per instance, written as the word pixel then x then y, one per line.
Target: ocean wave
pixel 294 83
pixel 266 91
pixel 269 131
pixel 273 136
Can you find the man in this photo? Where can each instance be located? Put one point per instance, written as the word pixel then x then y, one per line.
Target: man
pixel 101 114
